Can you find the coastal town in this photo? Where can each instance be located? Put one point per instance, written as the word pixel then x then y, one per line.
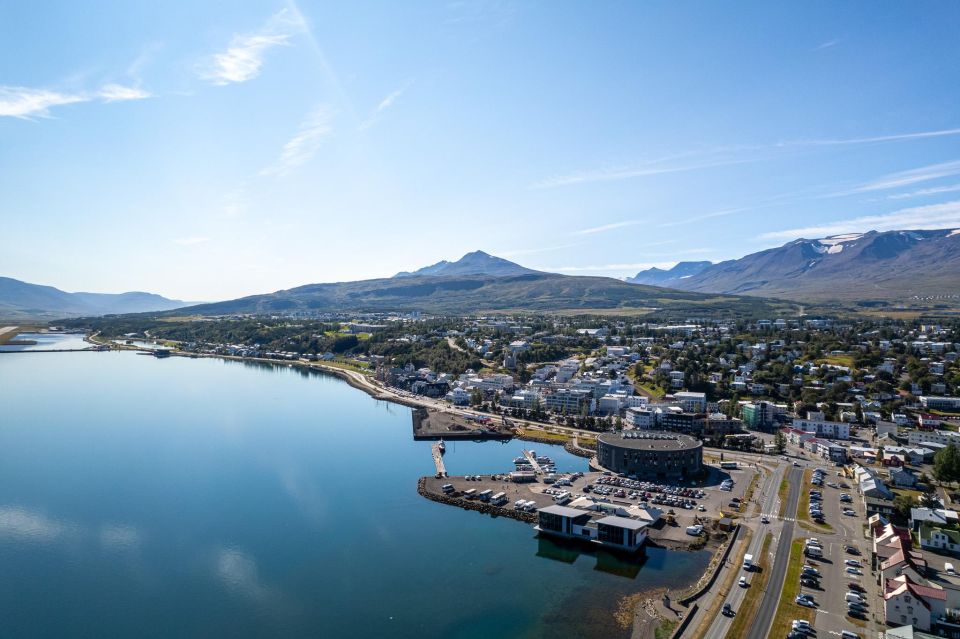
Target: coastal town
pixel 814 457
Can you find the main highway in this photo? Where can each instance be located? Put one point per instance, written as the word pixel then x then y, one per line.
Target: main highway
pixel 771 596
pixel 769 505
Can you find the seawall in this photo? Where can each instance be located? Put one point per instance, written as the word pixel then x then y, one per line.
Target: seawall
pixel 477 506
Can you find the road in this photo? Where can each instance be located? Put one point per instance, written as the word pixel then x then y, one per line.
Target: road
pixel 771 597
pixel 769 506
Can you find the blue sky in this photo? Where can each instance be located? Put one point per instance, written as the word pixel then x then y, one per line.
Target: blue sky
pixel 206 151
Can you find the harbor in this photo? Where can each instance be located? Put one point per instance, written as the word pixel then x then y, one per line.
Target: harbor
pixel 674 515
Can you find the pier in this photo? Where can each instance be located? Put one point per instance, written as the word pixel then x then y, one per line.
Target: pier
pixel 438 459
pixel 532 460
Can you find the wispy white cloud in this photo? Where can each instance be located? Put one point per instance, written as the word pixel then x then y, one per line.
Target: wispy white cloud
pixel 826 45
pixel 302 146
pixel 191 241
pixel 705 216
pixel 897 137
pixel 724 156
pixel 607 227
pixel 243 58
pixel 119 93
pixel 906 178
pixel 934 216
pixel 27 102
pixel 383 105
pixel 388 101
pixel 624 173
pixel 936 190
pixel 24 102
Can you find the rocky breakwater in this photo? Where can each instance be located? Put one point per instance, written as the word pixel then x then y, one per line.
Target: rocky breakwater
pixel 472 504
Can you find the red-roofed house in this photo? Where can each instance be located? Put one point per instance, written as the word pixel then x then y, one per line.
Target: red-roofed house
pixel 907 602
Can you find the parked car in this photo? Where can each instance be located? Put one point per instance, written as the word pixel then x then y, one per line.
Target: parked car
pixel 854 571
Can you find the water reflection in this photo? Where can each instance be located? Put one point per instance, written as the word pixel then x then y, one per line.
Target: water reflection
pixel 611 562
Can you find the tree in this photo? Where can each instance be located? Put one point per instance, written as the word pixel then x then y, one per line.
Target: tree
pixel 946 464
pixel 902 504
pixel 929 500
pixel 780 441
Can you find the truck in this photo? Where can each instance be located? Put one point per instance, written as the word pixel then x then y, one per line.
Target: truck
pixel 748 562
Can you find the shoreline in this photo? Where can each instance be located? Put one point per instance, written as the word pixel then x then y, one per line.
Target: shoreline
pixel 640 614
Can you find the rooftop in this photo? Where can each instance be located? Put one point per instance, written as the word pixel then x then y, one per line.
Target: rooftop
pixel 647 440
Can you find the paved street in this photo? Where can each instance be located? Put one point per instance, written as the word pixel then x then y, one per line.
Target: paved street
pixel 768 499
pixel 781 549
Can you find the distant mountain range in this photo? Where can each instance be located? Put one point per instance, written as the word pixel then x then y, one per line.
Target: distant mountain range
pixel 21 300
pixel 873 266
pixel 660 277
pixel 478 282
pixel 870 268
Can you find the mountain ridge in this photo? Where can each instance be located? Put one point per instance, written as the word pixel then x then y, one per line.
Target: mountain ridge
pixel 24 300
pixel 662 277
pixel 473 263
pixel 876 265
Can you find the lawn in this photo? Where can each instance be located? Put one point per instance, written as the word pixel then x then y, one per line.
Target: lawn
pixel 665 629
pixel 782 494
pixel 357 367
pixel 836 360
pixel 560 438
pixel 787 609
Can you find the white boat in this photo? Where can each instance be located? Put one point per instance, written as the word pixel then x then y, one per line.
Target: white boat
pixel 442 447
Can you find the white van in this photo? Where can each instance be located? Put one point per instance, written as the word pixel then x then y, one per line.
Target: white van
pixel 949 569
pixel 813 551
pixel 853 597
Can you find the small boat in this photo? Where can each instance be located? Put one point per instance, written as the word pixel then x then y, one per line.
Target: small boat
pixel 520 460
pixel 442 447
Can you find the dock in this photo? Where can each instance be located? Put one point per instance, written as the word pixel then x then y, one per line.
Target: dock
pixel 438 459
pixel 532 460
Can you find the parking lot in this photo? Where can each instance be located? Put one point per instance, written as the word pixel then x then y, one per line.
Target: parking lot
pixel 836 576
pixel 690 503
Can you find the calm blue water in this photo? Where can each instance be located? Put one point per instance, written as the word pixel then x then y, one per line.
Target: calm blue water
pixel 46 341
pixel 203 498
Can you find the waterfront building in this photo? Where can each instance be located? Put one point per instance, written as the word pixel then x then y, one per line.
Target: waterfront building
pixel 650 454
pixel 609 530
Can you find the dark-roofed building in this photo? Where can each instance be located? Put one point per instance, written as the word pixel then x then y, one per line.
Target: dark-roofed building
pixel 650 454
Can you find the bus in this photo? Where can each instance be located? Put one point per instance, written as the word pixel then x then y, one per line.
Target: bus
pixel 729 465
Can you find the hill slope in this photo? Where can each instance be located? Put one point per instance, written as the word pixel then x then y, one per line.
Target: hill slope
pixel 891 265
pixel 473 293
pixel 22 300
